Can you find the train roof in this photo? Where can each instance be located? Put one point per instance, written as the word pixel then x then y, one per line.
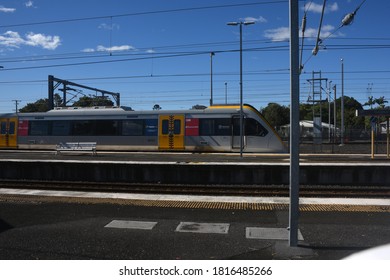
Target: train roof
pixel 69 111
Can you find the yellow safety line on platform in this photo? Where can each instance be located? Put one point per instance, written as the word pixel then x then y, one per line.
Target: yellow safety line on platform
pixel 196 204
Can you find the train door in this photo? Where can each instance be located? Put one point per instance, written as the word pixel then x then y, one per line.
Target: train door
pixel 171 132
pixel 8 136
pixel 236 133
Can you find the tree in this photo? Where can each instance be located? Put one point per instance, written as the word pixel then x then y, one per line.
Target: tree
pixel 381 102
pixel 276 114
pixel 370 102
pixel 87 101
pixel 156 107
pixel 350 107
pixel 198 107
pixel 57 100
pixel 40 105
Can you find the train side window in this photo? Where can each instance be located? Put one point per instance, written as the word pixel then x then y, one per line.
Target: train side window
pixel 38 128
pixel 61 128
pixel 107 127
pixel 236 126
pixel 176 127
pixel 132 127
pixel 11 129
pixel 165 127
pixel 219 127
pixel 206 127
pixel 223 127
pixel 3 128
pixel 83 128
pixel 254 128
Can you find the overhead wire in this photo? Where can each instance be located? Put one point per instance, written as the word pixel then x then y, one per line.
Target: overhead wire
pixel 143 13
pixel 347 20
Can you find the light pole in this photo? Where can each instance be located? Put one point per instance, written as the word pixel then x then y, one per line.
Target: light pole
pixel 241 23
pixel 211 78
pixel 226 93
pixel 342 103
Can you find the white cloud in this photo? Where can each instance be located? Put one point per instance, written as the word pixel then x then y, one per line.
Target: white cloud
pixel 88 50
pixel 115 48
pixel 29 4
pixel 106 26
pixel 45 41
pixel 333 8
pixel 317 8
pixel 326 31
pixel 101 48
pixel 12 39
pixel 278 34
pixel 283 33
pixel 7 10
pixel 260 19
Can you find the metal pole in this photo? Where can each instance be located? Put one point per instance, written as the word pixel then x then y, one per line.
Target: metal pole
pixel 16 105
pixel 334 115
pixel 241 105
pixel 388 137
pixel 225 92
pixel 241 98
pixel 372 141
pixel 342 102
pixel 211 78
pixel 329 130
pixel 294 124
pixel 50 100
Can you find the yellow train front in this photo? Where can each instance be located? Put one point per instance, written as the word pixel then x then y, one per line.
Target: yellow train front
pixel 8 131
pixel 214 129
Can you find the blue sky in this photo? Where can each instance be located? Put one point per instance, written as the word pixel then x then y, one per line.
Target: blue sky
pixel 158 52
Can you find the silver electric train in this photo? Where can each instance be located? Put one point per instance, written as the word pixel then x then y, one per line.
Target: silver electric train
pixel 214 129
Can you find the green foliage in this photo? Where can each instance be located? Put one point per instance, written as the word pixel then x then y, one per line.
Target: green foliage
pixel 87 101
pixel 157 107
pixel 40 105
pixel 381 101
pixel 276 114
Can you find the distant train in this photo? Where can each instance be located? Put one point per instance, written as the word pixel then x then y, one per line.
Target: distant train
pixel 214 129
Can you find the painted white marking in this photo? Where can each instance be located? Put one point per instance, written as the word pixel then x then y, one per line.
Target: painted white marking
pixel 269 233
pixel 203 227
pixel 131 224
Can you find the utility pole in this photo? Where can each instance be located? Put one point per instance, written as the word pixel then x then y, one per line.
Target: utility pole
pixel 334 114
pixel 211 78
pixel 294 124
pixel 226 92
pixel 329 89
pixel 342 103
pixel 240 24
pixel 16 105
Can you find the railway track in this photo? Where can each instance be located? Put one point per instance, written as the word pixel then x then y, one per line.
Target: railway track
pixel 216 190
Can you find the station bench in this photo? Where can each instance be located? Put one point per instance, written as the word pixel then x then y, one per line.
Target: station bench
pixel 76 147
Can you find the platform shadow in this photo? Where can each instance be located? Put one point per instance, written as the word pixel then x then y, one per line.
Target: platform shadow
pixel 4 226
pixel 333 247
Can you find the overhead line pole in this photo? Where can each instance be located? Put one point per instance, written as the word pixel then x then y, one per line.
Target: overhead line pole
pixel 241 86
pixel 294 124
pixel 52 86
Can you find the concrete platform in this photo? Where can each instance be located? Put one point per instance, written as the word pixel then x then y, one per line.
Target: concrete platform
pixel 40 225
pixel 188 168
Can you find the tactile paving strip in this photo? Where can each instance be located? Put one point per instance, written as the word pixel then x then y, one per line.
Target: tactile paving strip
pixel 196 205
